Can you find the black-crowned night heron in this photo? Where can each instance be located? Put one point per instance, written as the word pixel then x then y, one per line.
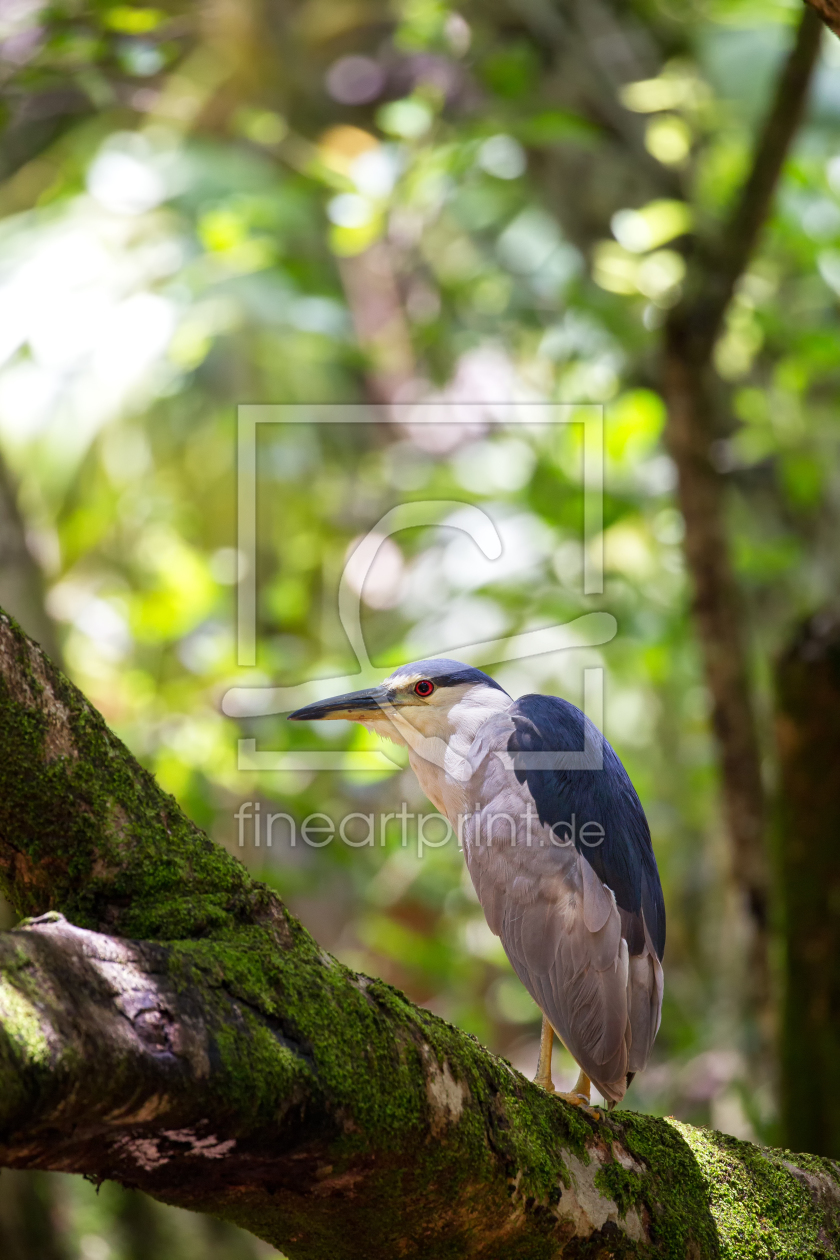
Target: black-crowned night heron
pixel 560 856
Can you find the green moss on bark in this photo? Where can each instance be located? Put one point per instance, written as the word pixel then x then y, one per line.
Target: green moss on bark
pixel 766 1202
pixel 625 1187
pixel 84 828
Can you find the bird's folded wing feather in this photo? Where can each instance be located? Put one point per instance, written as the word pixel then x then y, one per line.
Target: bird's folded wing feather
pixel 559 923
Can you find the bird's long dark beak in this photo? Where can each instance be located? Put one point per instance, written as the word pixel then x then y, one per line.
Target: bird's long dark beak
pixel 353 705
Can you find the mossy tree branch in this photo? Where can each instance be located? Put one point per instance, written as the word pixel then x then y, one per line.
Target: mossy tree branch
pixel 165 1023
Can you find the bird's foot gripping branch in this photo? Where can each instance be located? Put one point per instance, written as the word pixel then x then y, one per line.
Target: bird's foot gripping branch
pixel 166 1023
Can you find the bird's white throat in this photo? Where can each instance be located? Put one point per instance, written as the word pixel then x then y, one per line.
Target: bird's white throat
pixel 439 735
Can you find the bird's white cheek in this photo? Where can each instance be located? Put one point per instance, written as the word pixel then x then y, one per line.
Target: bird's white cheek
pixel 427 719
pixel 386 729
pixel 425 723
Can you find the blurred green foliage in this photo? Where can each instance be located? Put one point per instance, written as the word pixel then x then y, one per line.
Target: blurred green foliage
pixel 45 1216
pixel 336 207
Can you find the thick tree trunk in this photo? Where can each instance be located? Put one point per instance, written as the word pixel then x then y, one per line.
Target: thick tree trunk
pixel 180 1033
pixel 808 735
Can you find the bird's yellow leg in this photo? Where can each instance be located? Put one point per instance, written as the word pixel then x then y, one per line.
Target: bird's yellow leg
pixel 582 1085
pixel 580 1092
pixel 543 1076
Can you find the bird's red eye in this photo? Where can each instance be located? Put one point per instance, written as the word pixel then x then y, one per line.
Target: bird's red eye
pixel 424 687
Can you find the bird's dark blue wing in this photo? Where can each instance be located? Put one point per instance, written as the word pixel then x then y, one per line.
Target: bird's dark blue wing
pixel 624 858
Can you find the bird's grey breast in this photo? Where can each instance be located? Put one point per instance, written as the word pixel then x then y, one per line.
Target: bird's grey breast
pixel 508 851
pixel 558 919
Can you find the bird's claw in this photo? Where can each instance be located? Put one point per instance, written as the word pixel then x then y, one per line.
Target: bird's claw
pixel 576 1100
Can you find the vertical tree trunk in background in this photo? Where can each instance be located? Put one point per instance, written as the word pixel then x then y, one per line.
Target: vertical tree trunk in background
pixel 21 589
pixel 21 579
pixel 373 296
pixel 808 855
pixel 694 423
pixel 139 1219
pixel 152 1231
pixel 30 1217
pixel 719 621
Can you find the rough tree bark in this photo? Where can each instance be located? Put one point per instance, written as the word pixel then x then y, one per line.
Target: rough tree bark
pixel 166 1023
pixel 696 420
pixel 808 738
